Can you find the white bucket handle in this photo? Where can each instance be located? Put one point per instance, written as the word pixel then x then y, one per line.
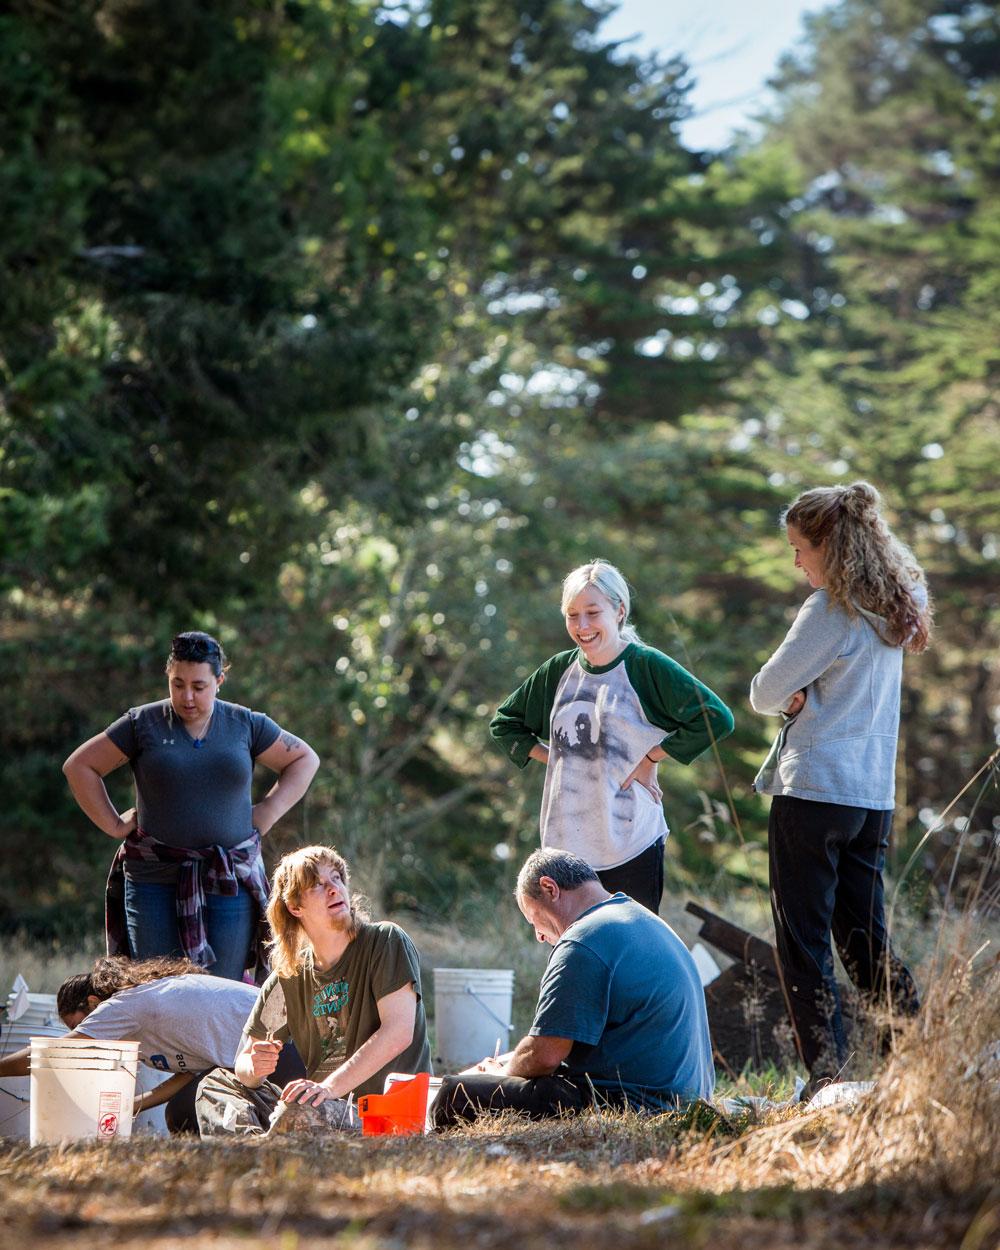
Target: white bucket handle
pixel 492 1014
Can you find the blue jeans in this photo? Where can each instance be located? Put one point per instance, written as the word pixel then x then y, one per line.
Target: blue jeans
pixel 151 917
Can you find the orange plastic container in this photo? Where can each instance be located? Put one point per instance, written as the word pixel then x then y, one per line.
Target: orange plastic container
pixel 402 1110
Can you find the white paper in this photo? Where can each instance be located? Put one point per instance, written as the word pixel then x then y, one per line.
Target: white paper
pixel 708 969
pixel 17 1000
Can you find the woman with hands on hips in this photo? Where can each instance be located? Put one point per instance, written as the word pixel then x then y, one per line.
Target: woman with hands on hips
pixel 600 717
pixel 188 877
pixel 836 679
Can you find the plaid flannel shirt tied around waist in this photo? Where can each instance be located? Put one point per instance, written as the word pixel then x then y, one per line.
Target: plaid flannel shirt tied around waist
pixel 212 870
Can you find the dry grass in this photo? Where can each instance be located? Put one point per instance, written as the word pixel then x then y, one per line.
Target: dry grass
pixel 592 1182
pixel 44 966
pixel 914 1166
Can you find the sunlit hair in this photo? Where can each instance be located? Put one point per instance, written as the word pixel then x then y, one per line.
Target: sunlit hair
pixel 567 870
pixel 297 872
pixel 864 564
pixel 113 973
pixel 606 579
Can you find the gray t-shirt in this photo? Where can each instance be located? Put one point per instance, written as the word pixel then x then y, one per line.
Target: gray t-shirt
pixel 189 792
pixel 182 1024
pixel 624 987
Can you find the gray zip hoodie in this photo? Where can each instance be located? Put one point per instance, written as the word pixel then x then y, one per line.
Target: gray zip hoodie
pixel 841 747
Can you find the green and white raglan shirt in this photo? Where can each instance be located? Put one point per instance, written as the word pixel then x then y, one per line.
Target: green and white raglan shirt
pixel 599 722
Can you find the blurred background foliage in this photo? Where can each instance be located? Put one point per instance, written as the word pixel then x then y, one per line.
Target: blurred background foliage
pixel 344 330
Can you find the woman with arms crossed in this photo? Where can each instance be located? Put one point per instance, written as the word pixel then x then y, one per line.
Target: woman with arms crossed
pixel 600 717
pixel 194 879
pixel 836 678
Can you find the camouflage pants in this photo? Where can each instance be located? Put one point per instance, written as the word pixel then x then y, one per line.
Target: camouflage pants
pixel 224 1105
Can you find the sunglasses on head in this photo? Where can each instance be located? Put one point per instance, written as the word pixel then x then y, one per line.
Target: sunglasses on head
pixel 195 649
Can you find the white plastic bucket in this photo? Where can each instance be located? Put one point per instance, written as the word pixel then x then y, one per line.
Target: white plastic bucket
pixel 40 1020
pixel 81 1088
pixel 41 1009
pixel 14 1097
pixel 472 1008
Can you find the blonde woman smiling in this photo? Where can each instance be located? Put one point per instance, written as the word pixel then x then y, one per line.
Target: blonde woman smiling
pixel 600 717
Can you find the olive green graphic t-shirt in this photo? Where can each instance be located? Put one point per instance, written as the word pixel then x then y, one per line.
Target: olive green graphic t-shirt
pixel 331 1014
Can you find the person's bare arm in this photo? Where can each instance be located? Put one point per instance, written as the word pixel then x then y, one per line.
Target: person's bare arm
pixel 85 771
pixel 645 773
pixel 256 1062
pixel 17 1063
pixel 533 1056
pixel 295 762
pixel 538 1056
pixel 397 1013
pixel 162 1093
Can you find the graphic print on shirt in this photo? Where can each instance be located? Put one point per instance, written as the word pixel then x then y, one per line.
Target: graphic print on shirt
pixel 330 1003
pixel 576 728
pixel 598 732
pixel 583 730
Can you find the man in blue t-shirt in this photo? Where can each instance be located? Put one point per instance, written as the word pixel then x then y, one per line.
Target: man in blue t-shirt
pixel 621 1017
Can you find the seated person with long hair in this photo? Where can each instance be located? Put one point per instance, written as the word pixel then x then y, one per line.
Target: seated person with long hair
pixel 345 989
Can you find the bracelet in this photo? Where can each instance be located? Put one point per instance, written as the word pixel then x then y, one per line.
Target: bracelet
pixel 650 758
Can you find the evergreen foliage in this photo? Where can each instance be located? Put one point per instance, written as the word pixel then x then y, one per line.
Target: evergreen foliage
pixel 345 330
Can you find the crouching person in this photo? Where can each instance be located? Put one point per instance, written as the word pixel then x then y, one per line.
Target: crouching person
pixel 184 1021
pixel 620 1021
pixel 344 989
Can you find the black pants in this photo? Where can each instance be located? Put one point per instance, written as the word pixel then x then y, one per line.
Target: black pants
pixel 826 863
pixel 641 878
pixel 463 1098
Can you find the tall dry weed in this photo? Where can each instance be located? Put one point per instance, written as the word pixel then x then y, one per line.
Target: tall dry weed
pixel 932 1120
pixel 935 1114
pixel 44 965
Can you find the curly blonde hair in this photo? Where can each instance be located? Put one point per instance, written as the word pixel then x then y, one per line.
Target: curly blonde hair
pixel 297 872
pixel 864 564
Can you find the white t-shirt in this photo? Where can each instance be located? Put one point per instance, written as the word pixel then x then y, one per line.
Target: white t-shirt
pixel 182 1024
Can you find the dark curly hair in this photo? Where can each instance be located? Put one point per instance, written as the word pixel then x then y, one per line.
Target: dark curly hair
pixel 113 973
